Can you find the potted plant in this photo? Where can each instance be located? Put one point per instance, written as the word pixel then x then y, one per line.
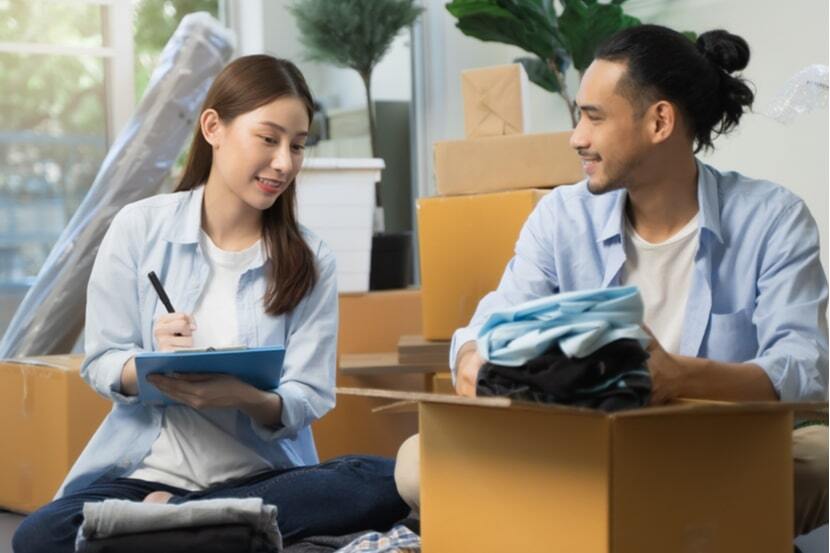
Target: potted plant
pixel 558 38
pixel 353 33
pixel 357 34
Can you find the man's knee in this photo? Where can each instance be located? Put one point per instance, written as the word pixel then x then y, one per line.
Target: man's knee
pixel 407 472
pixel 810 446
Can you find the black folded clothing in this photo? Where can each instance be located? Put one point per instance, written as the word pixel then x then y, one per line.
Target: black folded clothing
pixel 238 538
pixel 612 378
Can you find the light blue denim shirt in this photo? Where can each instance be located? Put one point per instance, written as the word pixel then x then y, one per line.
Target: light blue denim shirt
pixel 579 322
pixel 161 234
pixel 758 293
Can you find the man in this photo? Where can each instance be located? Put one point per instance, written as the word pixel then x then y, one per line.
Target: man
pixel 728 267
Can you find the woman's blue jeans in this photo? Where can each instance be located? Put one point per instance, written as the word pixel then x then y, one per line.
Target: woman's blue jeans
pixel 341 496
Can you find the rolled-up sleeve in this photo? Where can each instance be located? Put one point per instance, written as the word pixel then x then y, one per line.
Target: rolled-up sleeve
pixel 113 331
pixel 791 307
pixel 530 274
pixel 308 378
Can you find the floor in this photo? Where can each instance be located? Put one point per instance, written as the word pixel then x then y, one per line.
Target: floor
pixel 815 542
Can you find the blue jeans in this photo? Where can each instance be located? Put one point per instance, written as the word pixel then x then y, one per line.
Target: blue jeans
pixel 338 497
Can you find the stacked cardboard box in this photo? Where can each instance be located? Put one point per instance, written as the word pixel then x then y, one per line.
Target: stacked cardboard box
pixel 488 185
pixel 48 415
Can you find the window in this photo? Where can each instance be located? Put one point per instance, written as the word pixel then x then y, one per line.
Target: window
pixel 70 71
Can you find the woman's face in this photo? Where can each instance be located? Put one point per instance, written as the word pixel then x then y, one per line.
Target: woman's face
pixel 257 155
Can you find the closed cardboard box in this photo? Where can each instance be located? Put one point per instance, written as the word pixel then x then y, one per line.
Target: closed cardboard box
pixel 371 322
pixel 500 163
pixel 465 243
pixel 498 475
pixel 495 100
pixel 48 413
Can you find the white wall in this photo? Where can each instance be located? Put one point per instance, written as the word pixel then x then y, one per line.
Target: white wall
pixel 783 37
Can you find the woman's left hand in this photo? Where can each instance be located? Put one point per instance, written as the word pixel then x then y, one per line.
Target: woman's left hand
pixel 202 391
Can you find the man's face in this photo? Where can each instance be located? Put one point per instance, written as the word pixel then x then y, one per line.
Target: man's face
pixel 610 136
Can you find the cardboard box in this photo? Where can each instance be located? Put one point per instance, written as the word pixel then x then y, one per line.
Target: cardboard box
pixel 413 349
pixel 505 163
pixel 442 383
pixel 48 415
pixel 696 476
pixel 495 100
pixel 465 243
pixel 371 322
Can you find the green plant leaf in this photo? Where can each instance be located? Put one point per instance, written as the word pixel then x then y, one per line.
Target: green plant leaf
pixel 691 35
pixel 528 24
pixel 539 73
pixel 465 8
pixel 351 33
pixel 586 25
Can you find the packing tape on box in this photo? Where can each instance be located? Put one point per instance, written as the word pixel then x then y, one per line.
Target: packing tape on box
pixel 25 374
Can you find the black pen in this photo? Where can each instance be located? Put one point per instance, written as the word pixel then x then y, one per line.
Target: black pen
pixel 154 280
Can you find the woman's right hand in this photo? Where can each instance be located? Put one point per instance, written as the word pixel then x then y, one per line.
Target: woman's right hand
pixel 174 331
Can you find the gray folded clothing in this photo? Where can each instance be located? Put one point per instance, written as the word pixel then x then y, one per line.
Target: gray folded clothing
pixel 115 517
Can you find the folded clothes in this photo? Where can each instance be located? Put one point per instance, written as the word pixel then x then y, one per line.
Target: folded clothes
pixel 239 538
pixel 579 322
pixel 117 517
pixel 614 377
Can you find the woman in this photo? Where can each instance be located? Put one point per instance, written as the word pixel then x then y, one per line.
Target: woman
pixel 240 270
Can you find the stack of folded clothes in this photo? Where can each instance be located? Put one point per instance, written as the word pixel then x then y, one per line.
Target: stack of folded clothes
pixel 206 526
pixel 579 348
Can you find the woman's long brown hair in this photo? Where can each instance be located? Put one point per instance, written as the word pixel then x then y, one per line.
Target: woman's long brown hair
pixel 244 85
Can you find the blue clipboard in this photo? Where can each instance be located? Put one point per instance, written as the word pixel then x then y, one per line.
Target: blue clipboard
pixel 259 367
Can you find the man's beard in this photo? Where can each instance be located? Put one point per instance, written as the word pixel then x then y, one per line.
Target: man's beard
pixel 615 179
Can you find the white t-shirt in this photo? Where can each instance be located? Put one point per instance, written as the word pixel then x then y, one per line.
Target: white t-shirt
pixel 663 272
pixel 197 448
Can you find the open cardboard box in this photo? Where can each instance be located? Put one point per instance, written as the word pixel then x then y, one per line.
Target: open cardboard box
pixel 500 475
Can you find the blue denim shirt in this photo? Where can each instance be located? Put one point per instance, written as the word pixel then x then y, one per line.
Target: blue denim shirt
pixel 161 234
pixel 579 322
pixel 758 293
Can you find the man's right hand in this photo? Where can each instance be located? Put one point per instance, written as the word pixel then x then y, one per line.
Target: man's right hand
pixel 469 363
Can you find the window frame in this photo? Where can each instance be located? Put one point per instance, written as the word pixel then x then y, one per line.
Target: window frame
pixel 117 54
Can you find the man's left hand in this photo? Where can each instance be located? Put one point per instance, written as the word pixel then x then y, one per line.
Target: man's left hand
pixel 666 372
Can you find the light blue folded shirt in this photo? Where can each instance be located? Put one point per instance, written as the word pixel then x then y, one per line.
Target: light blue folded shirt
pixel 580 322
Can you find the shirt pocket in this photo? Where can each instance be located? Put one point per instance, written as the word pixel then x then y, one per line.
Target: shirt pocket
pixel 732 337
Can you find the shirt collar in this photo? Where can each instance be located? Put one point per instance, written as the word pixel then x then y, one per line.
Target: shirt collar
pixel 187 224
pixel 187 221
pixel 707 199
pixel 614 224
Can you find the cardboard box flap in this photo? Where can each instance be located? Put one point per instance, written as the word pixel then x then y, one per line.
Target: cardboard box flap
pixel 680 407
pixel 685 406
pixel 499 402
